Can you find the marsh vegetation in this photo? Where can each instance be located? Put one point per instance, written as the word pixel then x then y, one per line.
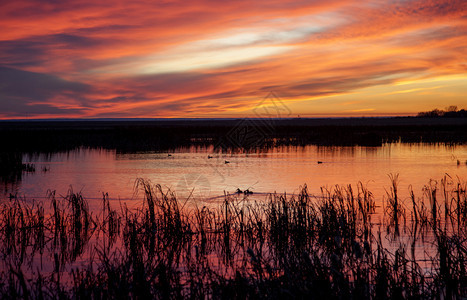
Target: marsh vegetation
pixel 340 244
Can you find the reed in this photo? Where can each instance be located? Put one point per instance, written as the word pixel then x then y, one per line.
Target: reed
pixel 295 246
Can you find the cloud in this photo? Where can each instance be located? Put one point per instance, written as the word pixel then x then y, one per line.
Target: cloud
pixel 23 92
pixel 209 58
pixel 38 50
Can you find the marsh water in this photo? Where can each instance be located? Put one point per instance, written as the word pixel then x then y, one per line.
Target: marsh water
pixel 204 175
pixel 56 237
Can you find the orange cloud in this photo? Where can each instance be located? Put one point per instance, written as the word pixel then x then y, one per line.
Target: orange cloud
pixel 206 58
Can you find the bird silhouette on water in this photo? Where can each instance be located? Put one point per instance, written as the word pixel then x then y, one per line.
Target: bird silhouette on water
pixel 245 192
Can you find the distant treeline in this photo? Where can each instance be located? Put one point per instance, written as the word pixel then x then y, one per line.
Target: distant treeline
pixel 157 135
pixel 449 112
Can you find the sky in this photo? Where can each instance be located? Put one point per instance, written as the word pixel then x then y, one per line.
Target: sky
pixel 216 59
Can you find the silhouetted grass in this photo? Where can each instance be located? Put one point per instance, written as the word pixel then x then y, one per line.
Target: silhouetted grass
pixel 298 246
pixel 163 135
pixel 12 167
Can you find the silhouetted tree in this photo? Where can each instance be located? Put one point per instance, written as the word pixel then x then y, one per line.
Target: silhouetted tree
pixel 450 112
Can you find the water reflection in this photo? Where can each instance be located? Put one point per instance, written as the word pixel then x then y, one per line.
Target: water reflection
pixel 202 173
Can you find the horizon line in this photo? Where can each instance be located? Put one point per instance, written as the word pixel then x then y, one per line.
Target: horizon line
pixel 202 118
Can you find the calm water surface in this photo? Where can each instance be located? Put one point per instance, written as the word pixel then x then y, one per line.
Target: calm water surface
pixel 284 169
pixel 190 171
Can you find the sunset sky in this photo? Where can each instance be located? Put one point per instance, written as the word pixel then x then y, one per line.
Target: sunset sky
pixel 152 59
